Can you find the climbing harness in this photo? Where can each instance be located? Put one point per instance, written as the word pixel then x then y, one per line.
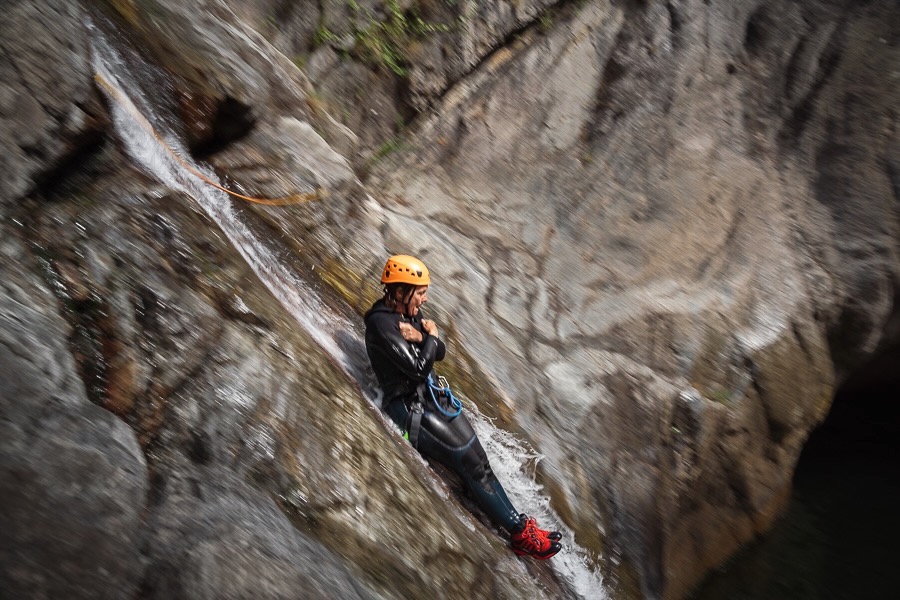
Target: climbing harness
pixel 443 389
pixel 417 407
pixel 416 411
pixel 118 96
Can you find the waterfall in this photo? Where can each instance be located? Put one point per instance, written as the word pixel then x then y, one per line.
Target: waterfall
pixel 509 456
pixel 297 297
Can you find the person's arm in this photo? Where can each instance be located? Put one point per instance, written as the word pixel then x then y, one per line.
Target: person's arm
pixel 411 334
pixel 431 329
pixel 414 365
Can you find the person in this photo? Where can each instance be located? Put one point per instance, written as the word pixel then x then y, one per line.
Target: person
pixel 403 346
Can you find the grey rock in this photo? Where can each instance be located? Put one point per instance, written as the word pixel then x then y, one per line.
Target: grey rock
pixel 48 111
pixel 652 199
pixel 72 476
pixel 213 536
pixel 665 229
pixel 236 408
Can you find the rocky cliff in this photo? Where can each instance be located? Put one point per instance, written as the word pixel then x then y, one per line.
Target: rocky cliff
pixel 660 233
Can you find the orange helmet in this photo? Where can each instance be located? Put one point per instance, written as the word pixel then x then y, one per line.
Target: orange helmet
pixel 405 269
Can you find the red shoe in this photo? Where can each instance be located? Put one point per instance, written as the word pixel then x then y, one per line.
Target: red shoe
pixel 554 536
pixel 531 541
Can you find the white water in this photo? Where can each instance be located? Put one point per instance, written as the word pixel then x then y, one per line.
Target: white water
pixel 515 462
pixel 293 293
pixel 510 458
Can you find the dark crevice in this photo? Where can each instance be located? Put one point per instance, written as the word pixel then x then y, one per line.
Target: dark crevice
pixel 157 485
pixel 231 121
pixel 560 11
pixel 79 147
pixel 755 36
pixel 738 486
pixel 405 105
pixel 803 111
pixel 87 315
pixel 793 70
pixel 284 9
pixel 801 340
pixel 199 447
pixel 82 149
pixel 675 24
pixel 207 124
pixel 637 73
pixel 613 71
pixel 838 538
pixel 777 431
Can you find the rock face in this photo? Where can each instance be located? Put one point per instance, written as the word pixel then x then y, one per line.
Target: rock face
pixel 164 411
pixel 72 475
pixel 660 233
pixel 673 225
pixel 40 132
pixel 655 217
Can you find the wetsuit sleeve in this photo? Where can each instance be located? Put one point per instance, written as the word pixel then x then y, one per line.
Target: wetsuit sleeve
pixel 415 365
pixel 441 350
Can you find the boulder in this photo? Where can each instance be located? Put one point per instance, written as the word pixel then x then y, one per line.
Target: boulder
pixel 72 476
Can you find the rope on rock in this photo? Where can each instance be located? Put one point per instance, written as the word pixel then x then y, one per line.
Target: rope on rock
pixel 118 96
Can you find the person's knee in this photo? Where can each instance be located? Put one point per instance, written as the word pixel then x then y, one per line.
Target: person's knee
pixel 475 463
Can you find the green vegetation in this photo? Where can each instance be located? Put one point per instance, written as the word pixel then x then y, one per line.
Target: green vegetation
pixel 389 147
pixel 323 35
pixel 383 43
pixel 720 395
pixel 546 21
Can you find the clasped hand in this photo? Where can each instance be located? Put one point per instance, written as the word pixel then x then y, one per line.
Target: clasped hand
pixel 411 334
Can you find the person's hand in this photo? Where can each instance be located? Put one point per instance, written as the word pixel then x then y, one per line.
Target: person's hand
pixel 430 327
pixel 410 333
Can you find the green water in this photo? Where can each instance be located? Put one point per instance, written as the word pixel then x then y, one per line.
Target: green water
pixel 839 538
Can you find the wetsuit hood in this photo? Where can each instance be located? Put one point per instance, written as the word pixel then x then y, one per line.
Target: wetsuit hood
pixel 378 307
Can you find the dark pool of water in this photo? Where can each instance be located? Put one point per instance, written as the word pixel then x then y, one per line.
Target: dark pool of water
pixel 840 538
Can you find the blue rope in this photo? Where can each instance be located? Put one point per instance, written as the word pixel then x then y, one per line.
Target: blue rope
pixel 454 401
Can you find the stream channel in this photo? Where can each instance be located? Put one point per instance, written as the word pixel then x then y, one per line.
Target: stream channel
pixel 141 120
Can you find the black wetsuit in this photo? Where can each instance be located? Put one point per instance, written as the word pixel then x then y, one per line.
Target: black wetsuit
pixel 402 369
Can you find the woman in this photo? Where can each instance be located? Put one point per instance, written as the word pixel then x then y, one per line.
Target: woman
pixel 403 347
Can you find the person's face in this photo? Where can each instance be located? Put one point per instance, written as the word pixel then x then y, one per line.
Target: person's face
pixel 417 299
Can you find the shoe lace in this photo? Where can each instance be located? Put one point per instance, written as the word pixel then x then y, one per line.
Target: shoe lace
pixel 531 533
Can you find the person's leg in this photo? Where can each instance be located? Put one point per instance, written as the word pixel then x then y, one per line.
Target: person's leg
pixel 454 444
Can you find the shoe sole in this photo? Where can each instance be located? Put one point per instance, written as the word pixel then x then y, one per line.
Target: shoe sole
pixel 537 556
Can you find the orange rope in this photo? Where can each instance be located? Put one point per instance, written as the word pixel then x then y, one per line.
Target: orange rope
pixel 292 199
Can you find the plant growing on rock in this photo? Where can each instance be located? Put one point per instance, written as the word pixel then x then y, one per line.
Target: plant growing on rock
pixel 383 42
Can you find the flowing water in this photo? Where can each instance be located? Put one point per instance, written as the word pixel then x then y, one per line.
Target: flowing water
pixel 133 101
